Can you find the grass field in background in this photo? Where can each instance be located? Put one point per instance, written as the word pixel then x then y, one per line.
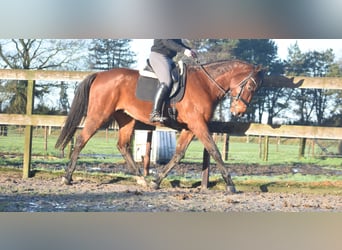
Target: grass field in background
pixel 103 145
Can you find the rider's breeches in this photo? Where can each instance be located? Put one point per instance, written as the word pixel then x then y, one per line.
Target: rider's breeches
pixel 162 66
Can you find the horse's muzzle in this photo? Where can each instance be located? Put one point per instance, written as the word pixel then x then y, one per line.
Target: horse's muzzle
pixel 237 109
pixel 237 114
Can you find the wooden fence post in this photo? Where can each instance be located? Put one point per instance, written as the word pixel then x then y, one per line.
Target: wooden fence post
pixel 266 146
pixel 205 169
pixel 260 146
pixel 225 150
pixel 302 143
pixel 46 133
pixel 278 143
pixel 313 148
pixel 147 157
pixel 28 130
pixel 339 147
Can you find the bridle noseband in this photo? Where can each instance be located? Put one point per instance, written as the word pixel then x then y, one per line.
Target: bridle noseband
pixel 242 86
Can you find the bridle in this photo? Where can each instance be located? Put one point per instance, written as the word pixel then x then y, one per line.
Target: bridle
pixel 242 85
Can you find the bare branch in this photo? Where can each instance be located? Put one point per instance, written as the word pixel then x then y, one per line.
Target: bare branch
pixel 5 59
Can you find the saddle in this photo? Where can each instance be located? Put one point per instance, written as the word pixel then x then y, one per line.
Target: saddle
pixel 148 83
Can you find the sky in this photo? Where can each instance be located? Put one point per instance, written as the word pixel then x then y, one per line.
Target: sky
pixel 142 47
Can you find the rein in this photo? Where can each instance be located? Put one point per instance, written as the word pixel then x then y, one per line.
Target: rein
pixel 213 80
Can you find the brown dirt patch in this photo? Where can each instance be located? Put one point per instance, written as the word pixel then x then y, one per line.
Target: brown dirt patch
pixel 44 193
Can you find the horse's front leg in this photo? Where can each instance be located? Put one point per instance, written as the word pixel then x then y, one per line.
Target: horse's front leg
pixel 184 140
pixel 203 134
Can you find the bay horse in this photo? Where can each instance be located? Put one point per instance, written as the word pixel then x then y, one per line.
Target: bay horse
pixel 110 95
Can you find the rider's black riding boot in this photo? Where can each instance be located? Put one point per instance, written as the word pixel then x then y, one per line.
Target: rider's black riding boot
pixel 159 99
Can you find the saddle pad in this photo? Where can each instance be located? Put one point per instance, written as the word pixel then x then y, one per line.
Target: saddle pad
pixel 147 88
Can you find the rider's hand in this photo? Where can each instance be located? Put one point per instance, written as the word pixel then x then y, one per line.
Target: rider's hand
pixel 190 53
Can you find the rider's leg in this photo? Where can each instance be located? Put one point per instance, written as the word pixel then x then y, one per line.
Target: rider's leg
pixel 159 99
pixel 162 66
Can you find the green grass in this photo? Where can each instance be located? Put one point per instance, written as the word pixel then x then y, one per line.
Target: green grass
pixel 248 153
pixel 105 148
pixel 44 150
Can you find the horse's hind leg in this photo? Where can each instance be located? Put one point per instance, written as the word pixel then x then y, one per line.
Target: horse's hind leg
pixel 67 178
pixel 126 128
pixel 91 126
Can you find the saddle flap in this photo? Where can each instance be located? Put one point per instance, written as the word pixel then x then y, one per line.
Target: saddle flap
pixel 148 83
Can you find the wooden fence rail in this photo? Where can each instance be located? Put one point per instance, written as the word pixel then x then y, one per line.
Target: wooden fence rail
pixel 30 120
pixel 230 128
pixel 269 81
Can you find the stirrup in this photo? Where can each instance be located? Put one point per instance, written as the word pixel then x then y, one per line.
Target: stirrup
pixel 156 117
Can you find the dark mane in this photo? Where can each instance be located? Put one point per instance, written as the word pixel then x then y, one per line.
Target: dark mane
pixel 219 67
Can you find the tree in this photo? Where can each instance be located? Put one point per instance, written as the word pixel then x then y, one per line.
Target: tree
pixel 63 99
pixel 39 53
pixel 105 54
pixel 256 51
pixel 295 66
pixel 334 70
pixel 35 54
pixel 216 49
pixel 335 117
pixel 295 61
pixel 311 103
pixel 318 64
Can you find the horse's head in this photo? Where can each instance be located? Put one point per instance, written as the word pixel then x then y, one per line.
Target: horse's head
pixel 243 93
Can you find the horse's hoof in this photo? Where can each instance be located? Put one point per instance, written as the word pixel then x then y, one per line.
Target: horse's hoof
pixel 154 185
pixel 231 190
pixel 141 181
pixel 65 181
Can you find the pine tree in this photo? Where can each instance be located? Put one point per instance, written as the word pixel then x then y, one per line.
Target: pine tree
pixel 256 51
pixel 106 54
pixel 215 49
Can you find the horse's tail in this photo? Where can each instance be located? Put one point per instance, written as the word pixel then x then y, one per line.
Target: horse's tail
pixel 78 109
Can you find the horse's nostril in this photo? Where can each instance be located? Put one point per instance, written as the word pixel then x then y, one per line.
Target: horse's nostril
pixel 238 114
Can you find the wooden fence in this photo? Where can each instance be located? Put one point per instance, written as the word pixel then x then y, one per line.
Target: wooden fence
pixel 239 129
